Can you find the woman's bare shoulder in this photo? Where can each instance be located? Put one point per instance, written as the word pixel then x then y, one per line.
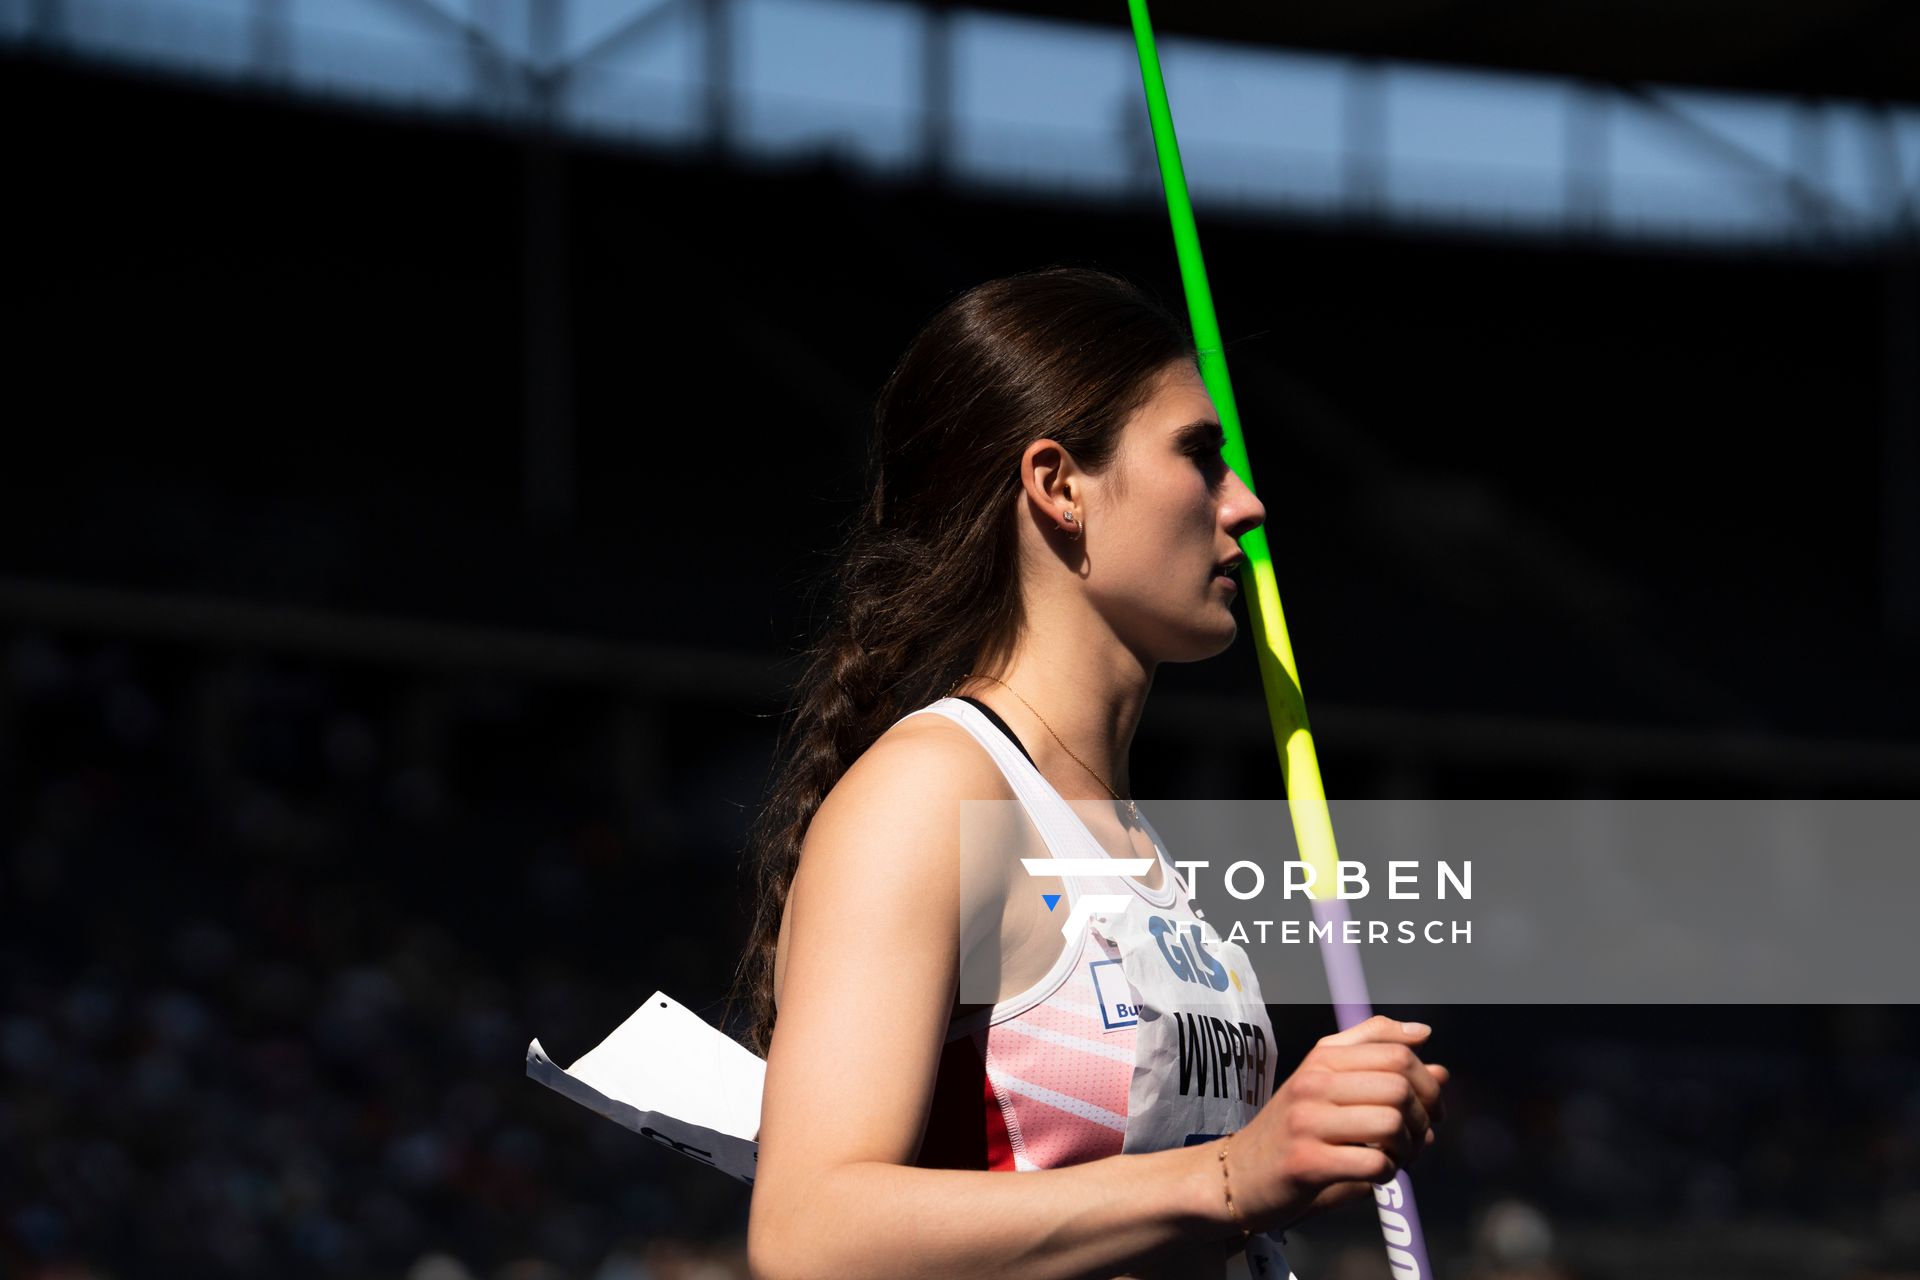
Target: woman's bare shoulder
pixel 891 845
pixel 904 793
pixel 920 759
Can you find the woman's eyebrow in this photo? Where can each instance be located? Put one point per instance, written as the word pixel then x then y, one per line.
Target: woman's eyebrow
pixel 1203 429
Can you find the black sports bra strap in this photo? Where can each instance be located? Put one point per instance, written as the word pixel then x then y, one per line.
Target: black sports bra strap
pixel 1001 725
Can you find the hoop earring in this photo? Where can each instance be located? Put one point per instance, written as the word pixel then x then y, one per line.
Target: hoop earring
pixel 1077 529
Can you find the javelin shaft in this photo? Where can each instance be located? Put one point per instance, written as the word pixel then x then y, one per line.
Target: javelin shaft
pixel 1279 676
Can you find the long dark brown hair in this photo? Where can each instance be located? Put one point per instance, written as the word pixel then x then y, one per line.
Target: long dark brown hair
pixel 925 585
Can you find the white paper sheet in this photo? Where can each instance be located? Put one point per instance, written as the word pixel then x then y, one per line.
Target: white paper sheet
pixel 667 1075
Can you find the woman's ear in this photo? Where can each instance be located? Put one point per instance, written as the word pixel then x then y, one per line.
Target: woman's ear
pixel 1050 479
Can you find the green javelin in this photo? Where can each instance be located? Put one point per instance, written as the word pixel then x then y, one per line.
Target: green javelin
pixel 1286 707
pixel 1279 677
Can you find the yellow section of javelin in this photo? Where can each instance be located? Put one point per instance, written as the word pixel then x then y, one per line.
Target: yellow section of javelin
pixel 1287 710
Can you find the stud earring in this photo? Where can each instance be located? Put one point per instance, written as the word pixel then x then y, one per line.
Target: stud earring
pixel 1077 530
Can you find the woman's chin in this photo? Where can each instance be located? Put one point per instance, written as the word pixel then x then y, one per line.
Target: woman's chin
pixel 1230 624
pixel 1216 639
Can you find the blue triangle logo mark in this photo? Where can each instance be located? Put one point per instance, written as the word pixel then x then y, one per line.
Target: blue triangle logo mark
pixel 1052 900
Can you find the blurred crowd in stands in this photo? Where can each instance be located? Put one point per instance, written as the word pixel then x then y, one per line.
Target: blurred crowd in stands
pixel 277 933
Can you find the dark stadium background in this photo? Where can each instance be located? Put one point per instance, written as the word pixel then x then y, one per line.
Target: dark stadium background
pixel 406 527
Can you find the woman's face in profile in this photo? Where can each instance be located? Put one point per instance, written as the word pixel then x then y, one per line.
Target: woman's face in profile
pixel 1165 517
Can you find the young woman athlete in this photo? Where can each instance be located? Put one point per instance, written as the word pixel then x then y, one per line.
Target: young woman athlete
pixel 1049 519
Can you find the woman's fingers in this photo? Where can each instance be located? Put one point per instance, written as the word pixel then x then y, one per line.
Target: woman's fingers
pixel 1382 1088
pixel 1362 1123
pixel 1380 1028
pixel 1369 1164
pixel 1394 1058
pixel 1372 1070
pixel 1387 1088
pixel 1360 1107
pixel 1365 1141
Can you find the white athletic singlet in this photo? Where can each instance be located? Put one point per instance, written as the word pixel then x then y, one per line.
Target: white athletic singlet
pixel 1047 1078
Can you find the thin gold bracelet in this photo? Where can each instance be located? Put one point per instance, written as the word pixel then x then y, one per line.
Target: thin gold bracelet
pixel 1226 1185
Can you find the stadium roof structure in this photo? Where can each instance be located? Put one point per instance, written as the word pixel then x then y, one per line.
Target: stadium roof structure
pixel 1830 48
pixel 1790 124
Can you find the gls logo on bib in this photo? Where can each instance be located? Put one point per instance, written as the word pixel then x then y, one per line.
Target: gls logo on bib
pixel 1187 962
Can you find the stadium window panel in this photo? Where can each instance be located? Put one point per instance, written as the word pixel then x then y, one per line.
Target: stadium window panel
pixel 1470 145
pixel 829 75
pixel 1255 127
pixel 1038 103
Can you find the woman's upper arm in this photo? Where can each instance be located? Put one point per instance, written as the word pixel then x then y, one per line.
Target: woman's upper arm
pixel 872 962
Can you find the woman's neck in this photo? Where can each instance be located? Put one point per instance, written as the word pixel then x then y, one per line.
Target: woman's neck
pixel 1092 706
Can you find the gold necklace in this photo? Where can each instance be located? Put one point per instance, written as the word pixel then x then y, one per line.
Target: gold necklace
pixel 1133 810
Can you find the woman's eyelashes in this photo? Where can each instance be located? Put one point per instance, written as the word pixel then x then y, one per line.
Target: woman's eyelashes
pixel 1206 443
pixel 1210 459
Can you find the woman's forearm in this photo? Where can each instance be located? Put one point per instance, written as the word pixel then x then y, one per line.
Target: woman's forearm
pixel 1099 1219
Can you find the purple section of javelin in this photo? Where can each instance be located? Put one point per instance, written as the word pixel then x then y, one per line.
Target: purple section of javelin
pixel 1399 1217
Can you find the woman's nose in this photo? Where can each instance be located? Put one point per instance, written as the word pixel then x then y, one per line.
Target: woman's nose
pixel 1244 510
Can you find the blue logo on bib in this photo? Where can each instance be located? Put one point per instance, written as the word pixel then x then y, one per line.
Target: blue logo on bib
pixel 1187 962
